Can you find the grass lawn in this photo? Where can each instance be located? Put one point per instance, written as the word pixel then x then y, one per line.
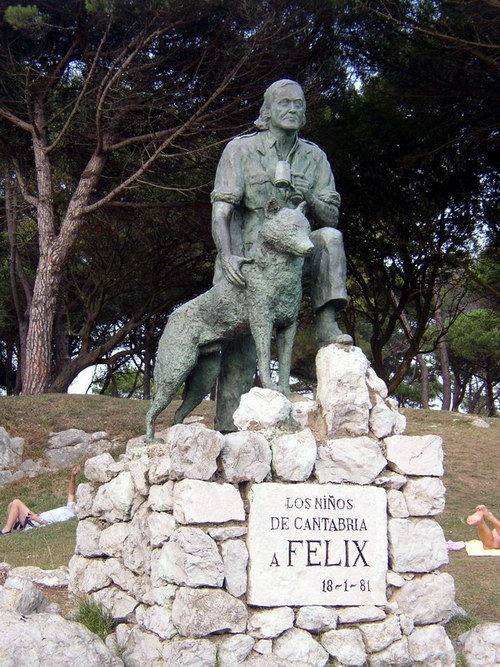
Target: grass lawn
pixel 472 456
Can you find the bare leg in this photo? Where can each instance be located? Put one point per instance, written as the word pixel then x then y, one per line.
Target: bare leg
pixel 17 511
pixel 483 530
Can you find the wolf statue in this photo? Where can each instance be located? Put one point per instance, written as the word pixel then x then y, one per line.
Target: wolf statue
pixel 189 349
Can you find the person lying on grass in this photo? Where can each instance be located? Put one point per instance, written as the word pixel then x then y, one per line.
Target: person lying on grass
pixel 489 537
pixel 20 517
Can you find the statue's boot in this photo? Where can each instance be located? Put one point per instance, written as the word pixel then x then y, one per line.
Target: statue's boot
pixel 327 329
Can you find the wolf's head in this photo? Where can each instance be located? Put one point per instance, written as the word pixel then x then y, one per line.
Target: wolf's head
pixel 287 229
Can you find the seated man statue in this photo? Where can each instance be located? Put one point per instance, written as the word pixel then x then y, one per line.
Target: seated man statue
pixel 274 163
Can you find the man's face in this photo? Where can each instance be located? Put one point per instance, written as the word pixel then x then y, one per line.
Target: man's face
pixel 288 108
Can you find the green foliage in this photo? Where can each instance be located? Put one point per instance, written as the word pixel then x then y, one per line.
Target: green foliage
pixel 475 337
pixel 23 17
pixel 94 617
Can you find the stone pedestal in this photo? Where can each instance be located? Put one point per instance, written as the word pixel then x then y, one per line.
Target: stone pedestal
pixel 304 539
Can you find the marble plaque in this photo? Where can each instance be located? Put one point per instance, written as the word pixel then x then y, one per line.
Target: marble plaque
pixel 317 544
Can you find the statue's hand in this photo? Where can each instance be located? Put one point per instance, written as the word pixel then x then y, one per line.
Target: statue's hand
pixel 303 187
pixel 231 268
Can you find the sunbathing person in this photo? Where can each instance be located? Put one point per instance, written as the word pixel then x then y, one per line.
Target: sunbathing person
pixel 20 517
pixel 490 537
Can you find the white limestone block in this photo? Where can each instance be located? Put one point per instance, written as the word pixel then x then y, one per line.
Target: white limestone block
pixel 227 532
pixel 342 390
pixel 394 579
pixel 425 496
pixel 396 655
pixel 234 649
pixel 191 558
pixel 263 646
pixel 361 614
pixel 196 501
pixel 120 605
pixel 142 648
pixel 112 539
pixel 297 644
pixel 427 599
pixel 316 619
pixel 139 471
pixel 37 640
pixel 481 645
pixel 162 595
pixel 193 451
pixel 159 469
pixel 355 460
pixel 87 575
pixel 246 456
pixel 114 500
pixel 235 559
pixel 88 534
pixel 270 622
pixel 302 412
pixel 389 479
pixel 188 653
pixel 261 408
pixel 396 504
pixel 97 468
pixel 345 645
pixel 415 454
pixel 22 596
pixel 161 497
pixel 378 636
pixel 156 619
pixel 124 578
pixel 382 420
pixel 375 384
pixel 399 423
pixel 416 545
pixel 161 526
pixel 197 612
pixel 58 578
pixel 85 495
pixel 430 645
pixel 136 549
pixel 294 455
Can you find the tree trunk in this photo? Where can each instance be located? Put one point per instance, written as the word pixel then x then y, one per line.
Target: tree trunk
pixel 54 252
pixel 17 276
pixel 444 361
pixel 490 394
pixel 424 382
pixel 37 372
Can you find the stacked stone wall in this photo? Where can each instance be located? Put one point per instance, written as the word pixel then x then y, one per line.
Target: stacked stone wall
pixel 164 541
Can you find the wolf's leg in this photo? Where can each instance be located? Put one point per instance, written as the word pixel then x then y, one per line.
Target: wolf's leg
pixel 285 337
pixel 177 356
pixel 198 384
pixel 261 332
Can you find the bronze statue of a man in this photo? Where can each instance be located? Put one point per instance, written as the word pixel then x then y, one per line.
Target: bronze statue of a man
pixel 274 163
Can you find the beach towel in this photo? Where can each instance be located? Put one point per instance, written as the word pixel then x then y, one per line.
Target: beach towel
pixel 475 548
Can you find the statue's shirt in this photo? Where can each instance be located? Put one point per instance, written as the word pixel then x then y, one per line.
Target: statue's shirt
pixel 245 178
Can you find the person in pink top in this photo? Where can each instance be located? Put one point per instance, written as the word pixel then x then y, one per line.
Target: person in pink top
pixel 490 537
pixel 20 517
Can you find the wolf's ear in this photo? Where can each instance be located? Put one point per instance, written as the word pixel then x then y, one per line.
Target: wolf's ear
pixel 302 207
pixel 272 208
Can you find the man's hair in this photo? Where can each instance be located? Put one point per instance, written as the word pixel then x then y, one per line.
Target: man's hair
pixel 262 122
